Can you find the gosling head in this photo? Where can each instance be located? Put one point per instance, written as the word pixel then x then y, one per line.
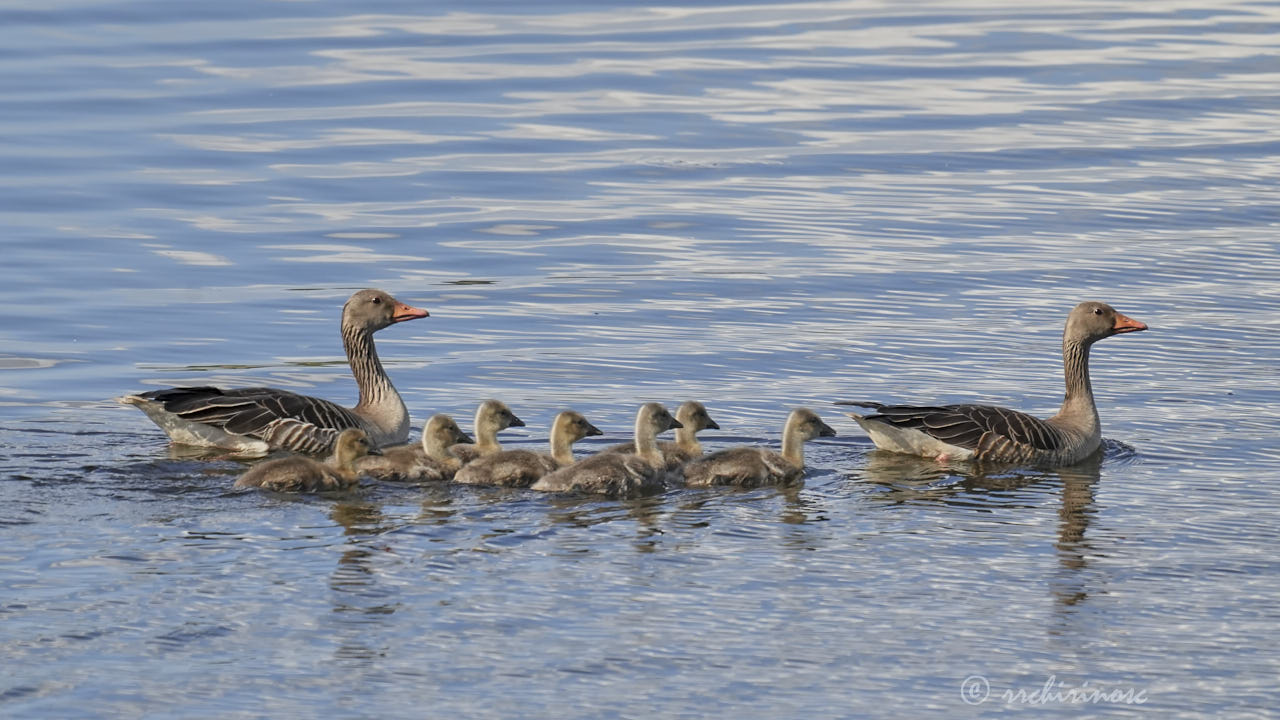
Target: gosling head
pixel 806 424
pixel 655 418
pixel 494 416
pixel 351 445
pixel 442 431
pixel 572 426
pixel 693 414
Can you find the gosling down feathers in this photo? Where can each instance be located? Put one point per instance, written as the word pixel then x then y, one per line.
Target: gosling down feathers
pixel 693 417
pixel 427 461
pixel 298 473
pixel 616 474
pixel 260 419
pixel 522 468
pixel 750 467
pixel 985 433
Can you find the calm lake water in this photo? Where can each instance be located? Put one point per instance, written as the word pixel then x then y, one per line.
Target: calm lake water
pixel 759 206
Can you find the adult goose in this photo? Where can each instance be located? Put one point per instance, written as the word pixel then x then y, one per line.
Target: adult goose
pixel 299 473
pixel 693 417
pixel 492 417
pixel 522 468
pixel 616 474
pixel 984 433
pixel 427 461
pixel 257 420
pixel 750 467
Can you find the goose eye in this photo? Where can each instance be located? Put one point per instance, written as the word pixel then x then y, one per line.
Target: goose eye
pixel 1097 311
pixel 377 301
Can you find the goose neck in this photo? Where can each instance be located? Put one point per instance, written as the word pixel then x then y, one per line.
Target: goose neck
pixel 371 379
pixel 1078 407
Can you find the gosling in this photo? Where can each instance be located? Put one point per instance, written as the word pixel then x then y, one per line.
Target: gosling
pixel 621 475
pixel 298 473
pixel 522 468
pixel 750 467
pixel 428 461
pixel 492 417
pixel 693 417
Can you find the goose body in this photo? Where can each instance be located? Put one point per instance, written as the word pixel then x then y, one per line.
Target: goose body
pixel 492 417
pixel 260 419
pixel 522 468
pixel 693 417
pixel 619 474
pixel 427 461
pixel 750 467
pixel 986 433
pixel 298 473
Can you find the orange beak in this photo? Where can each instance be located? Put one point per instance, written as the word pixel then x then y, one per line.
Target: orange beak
pixel 1126 324
pixel 407 312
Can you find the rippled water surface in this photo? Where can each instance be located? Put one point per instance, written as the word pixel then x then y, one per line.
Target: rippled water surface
pixel 759 206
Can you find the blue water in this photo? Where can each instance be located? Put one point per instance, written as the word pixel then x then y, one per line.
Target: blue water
pixel 757 206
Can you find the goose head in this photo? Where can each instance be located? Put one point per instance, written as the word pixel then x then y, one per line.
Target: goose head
pixel 371 310
pixel 693 414
pixel 1092 321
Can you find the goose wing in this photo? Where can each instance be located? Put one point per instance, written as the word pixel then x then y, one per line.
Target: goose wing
pixel 280 418
pixel 990 432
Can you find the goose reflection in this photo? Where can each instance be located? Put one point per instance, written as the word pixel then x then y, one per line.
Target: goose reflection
pixel 1074 515
pixel 902 479
pixel 358 598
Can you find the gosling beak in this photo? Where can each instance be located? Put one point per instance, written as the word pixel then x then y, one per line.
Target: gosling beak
pixel 826 431
pixel 464 438
pixel 675 424
pixel 407 312
pixel 1126 324
pixel 516 422
pixel 592 430
pixel 711 425
pixel 375 451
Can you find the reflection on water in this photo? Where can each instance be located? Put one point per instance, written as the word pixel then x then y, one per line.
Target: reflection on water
pixel 760 206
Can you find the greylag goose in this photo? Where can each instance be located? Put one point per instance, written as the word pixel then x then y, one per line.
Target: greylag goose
pixel 693 417
pixel 620 474
pixel 298 473
pixel 522 468
pixel 257 420
pixel 751 467
pixel 984 433
pixel 492 417
pixel 427 461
